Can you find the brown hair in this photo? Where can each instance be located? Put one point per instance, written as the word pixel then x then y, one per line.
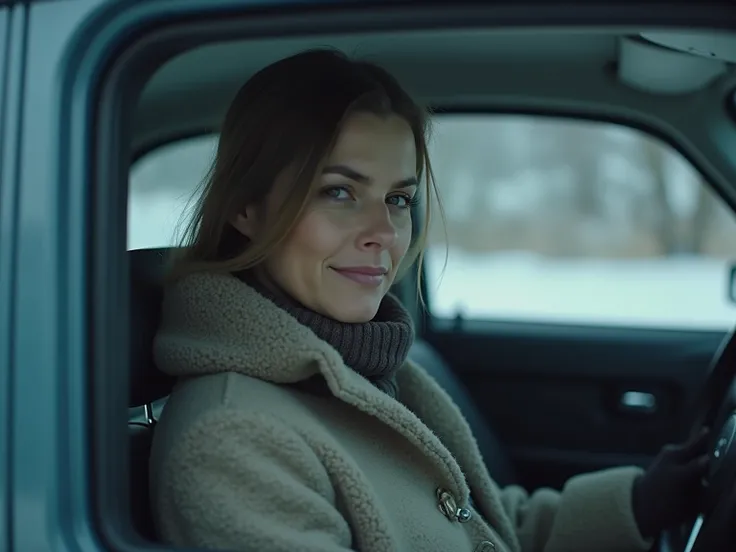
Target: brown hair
pixel 287 118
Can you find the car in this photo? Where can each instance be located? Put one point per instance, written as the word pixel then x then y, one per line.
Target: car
pixel 577 302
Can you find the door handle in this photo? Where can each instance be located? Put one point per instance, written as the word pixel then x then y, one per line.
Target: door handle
pixel 637 402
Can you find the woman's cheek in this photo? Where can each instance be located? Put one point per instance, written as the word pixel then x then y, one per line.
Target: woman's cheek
pixel 404 232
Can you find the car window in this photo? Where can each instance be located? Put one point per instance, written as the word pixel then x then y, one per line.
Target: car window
pixel 163 186
pixel 581 222
pixel 546 220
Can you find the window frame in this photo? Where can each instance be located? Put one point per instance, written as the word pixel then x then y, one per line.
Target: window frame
pixel 10 69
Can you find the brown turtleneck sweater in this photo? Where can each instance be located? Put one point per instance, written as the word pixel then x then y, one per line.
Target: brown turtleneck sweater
pixel 374 349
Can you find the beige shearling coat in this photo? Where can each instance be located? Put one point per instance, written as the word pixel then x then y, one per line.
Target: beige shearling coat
pixel 243 461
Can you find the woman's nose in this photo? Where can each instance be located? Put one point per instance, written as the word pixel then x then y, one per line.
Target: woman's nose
pixel 380 231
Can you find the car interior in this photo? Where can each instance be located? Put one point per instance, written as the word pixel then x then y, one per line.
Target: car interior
pixel 544 400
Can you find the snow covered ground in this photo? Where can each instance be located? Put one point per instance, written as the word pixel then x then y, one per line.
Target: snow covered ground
pixel 685 293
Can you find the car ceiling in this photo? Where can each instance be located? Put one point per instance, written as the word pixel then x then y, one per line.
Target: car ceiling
pixel 614 74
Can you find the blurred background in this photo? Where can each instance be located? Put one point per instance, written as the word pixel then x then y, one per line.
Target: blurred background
pixel 547 220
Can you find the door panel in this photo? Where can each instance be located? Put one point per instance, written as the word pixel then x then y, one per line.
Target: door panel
pixel 557 395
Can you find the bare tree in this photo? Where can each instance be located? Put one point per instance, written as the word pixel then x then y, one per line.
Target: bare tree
pixel 700 224
pixel 665 219
pixel 578 146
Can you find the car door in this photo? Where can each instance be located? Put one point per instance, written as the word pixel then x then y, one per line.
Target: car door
pixel 53 67
pixel 585 288
pixel 10 58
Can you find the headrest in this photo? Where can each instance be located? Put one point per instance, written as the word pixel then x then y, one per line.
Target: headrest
pixel 147 271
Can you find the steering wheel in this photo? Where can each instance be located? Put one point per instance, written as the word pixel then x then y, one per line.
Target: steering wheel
pixel 715 409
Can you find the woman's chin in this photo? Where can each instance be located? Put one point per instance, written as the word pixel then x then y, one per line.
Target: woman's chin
pixel 355 312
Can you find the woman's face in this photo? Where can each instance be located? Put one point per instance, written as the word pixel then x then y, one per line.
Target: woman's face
pixel 342 257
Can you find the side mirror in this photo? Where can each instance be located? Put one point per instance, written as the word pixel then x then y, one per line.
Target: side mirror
pixel 731 283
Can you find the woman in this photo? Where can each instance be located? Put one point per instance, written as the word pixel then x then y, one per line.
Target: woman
pixel 298 423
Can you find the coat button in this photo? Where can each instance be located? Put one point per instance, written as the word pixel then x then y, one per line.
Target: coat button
pixel 447 504
pixel 485 546
pixel 464 515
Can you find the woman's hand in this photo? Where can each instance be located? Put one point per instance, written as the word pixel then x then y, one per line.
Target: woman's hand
pixel 667 494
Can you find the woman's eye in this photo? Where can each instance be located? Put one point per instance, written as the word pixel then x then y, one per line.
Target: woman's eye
pixel 336 192
pixel 402 201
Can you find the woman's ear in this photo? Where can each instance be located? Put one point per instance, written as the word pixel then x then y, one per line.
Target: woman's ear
pixel 245 223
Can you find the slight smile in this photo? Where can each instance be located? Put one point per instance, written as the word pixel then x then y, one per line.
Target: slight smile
pixel 365 275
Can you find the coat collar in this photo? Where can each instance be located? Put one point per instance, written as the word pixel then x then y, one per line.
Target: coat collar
pixel 214 323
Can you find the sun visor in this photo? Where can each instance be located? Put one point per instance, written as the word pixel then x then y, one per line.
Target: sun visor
pixel 659 69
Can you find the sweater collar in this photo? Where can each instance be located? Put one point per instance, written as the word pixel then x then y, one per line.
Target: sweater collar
pixel 375 349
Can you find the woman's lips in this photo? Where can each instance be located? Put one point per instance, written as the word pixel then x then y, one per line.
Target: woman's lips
pixel 364 275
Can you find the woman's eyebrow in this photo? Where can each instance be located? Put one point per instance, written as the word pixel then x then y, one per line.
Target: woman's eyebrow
pixel 352 174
